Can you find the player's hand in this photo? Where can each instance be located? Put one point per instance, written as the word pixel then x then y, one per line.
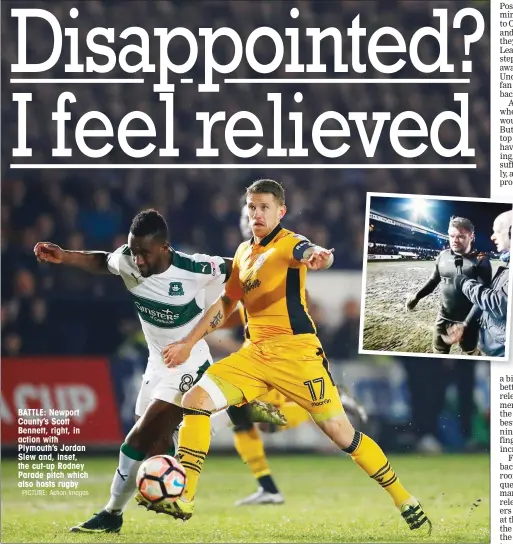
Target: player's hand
pixel 411 302
pixel 48 252
pixel 454 333
pixel 176 353
pixel 319 259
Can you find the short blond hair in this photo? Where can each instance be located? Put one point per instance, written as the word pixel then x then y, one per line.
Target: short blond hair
pixel 267 187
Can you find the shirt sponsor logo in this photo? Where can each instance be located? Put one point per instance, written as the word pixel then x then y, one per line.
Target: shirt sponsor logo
pixel 321 402
pixel 166 315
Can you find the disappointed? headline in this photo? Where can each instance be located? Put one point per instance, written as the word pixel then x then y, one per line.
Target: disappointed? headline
pixel 244 130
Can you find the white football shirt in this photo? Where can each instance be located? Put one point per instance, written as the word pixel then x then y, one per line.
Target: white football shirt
pixel 171 303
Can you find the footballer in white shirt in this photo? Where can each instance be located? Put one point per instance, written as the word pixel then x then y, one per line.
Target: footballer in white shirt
pixel 168 290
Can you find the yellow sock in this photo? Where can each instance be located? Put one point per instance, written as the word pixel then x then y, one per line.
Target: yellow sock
pixel 295 415
pixel 193 444
pixel 250 447
pixel 370 457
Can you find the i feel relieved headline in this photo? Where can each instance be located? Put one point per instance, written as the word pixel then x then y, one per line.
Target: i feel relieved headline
pixel 97 56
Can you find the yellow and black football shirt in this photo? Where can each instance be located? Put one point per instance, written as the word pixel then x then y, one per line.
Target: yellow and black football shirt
pixel 271 283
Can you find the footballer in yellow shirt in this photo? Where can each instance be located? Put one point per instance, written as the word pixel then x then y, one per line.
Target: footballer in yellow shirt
pixel 283 353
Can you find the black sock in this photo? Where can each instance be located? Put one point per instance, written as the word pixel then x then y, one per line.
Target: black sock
pixel 240 418
pixel 267 484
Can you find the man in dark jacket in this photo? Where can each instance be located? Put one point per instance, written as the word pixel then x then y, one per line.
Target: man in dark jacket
pixel 459 260
pixel 491 303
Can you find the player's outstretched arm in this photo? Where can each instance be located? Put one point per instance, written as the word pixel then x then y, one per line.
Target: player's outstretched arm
pixel 430 284
pixel 94 262
pixel 425 290
pixel 178 352
pixel 314 257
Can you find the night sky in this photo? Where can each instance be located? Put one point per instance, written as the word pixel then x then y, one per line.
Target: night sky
pixel 438 212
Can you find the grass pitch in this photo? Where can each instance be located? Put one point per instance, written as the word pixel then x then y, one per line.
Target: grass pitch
pixel 328 499
pixel 387 325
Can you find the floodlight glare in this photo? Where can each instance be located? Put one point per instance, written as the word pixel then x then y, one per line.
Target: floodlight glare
pixel 419 208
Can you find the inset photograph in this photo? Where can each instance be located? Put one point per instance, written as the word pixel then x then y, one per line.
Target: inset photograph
pixel 436 277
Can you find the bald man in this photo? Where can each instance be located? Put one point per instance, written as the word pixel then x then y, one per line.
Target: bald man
pixel 491 303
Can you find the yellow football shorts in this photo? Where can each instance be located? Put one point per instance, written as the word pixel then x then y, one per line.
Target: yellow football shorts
pixel 293 365
pixel 274 397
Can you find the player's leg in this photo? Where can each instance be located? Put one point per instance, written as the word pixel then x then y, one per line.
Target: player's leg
pixel 151 433
pixel 367 454
pixel 250 447
pixel 355 411
pixel 106 520
pixel 227 383
pixel 301 372
pixel 158 413
pixel 440 329
pixel 164 446
pixel 296 415
pixel 257 411
pixel 168 442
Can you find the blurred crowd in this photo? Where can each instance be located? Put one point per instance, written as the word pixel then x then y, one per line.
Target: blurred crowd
pixel 385 249
pixel 94 213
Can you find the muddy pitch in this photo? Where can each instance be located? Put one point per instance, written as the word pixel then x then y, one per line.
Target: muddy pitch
pixel 387 325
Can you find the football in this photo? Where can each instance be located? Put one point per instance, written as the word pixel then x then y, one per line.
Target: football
pixel 161 478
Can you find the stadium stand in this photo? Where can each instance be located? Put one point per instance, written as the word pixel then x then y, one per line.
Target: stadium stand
pixel 391 238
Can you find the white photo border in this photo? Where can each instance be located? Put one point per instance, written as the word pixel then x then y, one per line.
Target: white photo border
pixel 363 351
